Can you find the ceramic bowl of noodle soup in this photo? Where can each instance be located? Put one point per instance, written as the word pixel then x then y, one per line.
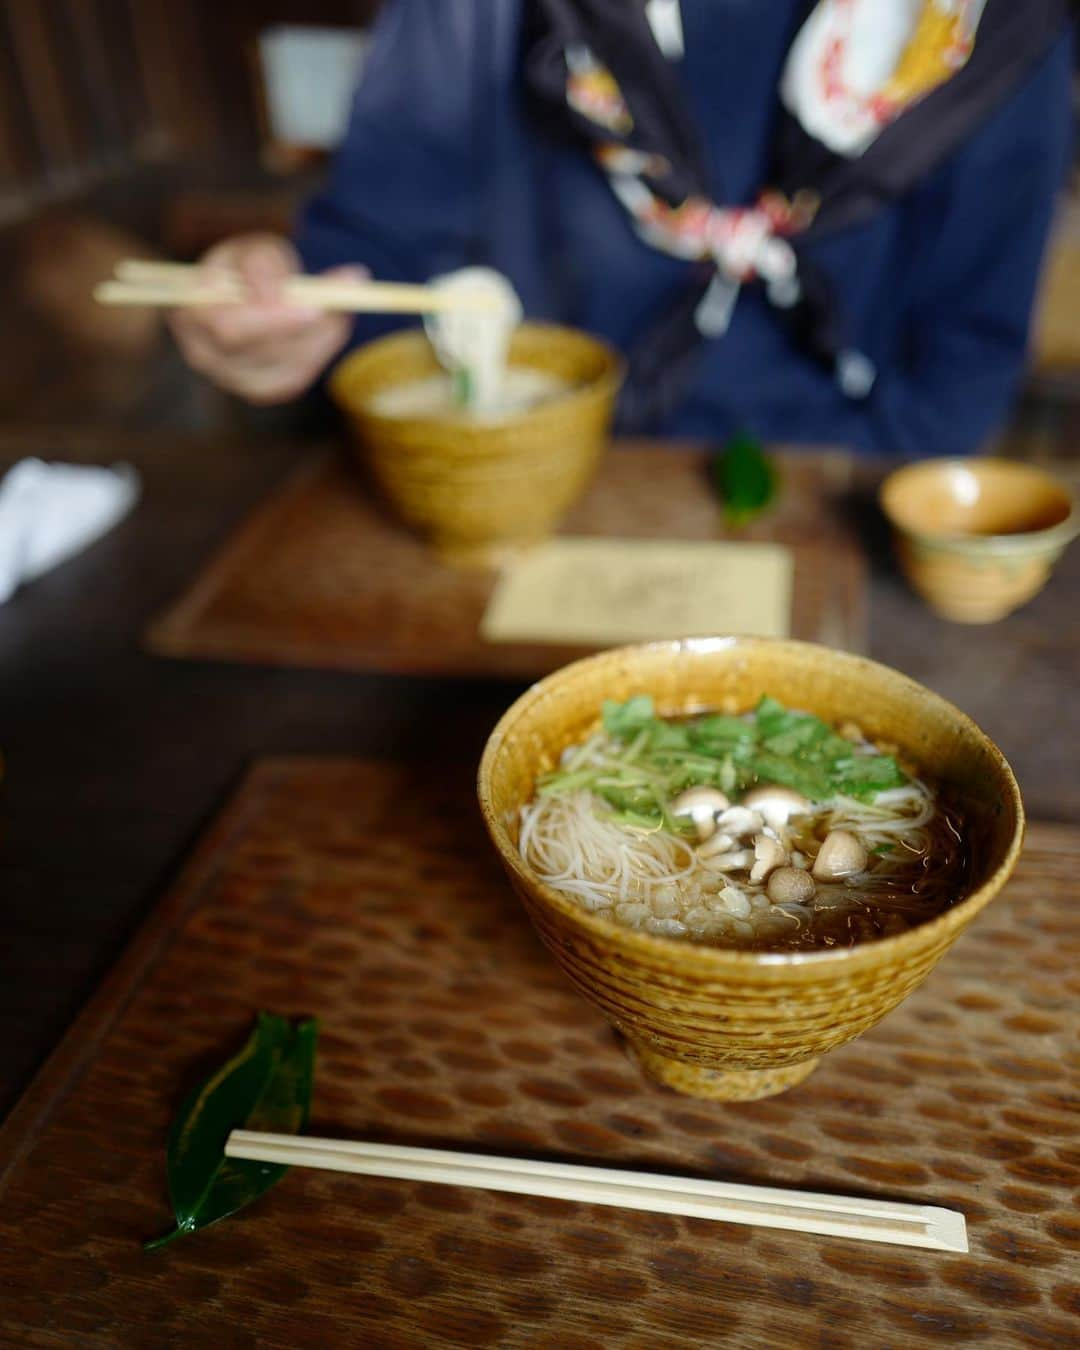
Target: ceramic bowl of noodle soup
pixel 745 851
pixel 481 486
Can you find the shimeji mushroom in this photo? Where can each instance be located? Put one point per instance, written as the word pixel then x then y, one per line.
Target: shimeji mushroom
pixel 728 862
pixel 717 843
pixel 788 884
pixel 841 855
pixel 739 821
pixel 768 856
pixel 735 902
pixel 776 804
pixel 702 805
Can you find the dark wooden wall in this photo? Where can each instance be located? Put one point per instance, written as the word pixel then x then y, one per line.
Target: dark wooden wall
pixel 91 87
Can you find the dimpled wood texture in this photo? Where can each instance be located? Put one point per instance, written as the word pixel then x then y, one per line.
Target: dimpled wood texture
pixel 446 1023
pixel 718 1016
pixel 475 487
pixel 317 576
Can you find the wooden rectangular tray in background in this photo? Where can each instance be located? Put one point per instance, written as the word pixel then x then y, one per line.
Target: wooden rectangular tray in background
pixel 319 576
pixel 367 894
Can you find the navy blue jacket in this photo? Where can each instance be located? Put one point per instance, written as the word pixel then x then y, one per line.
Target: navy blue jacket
pixel 442 167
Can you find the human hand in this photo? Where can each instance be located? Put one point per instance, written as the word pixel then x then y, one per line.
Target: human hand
pixel 265 350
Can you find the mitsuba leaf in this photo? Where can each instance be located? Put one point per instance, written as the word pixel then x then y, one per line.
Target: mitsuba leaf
pixel 773 718
pixel 625 720
pixel 798 775
pixel 265 1086
pixel 866 775
pixel 657 759
pixel 806 736
pixel 721 733
pixel 668 736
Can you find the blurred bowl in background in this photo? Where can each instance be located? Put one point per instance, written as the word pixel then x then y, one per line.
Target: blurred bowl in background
pixel 480 490
pixel 60 255
pixel 977 538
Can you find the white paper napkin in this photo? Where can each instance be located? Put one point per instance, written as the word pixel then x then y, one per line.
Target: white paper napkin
pixel 48 512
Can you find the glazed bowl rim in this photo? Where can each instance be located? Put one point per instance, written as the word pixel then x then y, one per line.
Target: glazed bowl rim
pixel 1060 533
pixel 705 957
pixel 606 383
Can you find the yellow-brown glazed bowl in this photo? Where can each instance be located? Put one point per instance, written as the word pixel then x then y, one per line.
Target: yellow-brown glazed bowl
pixel 479 491
pixel 712 1021
pixel 977 538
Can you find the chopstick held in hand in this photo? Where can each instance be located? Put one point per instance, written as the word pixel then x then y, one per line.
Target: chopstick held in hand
pixel 178 285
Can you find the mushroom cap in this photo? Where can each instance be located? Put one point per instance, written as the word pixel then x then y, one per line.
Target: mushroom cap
pixel 842 854
pixel 702 805
pixel 776 804
pixel 790 883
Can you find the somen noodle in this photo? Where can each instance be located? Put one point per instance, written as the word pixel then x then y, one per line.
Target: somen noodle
pixel 477 382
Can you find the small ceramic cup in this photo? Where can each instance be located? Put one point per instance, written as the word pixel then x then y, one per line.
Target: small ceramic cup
pixel 977 538
pixel 713 1021
pixel 479 491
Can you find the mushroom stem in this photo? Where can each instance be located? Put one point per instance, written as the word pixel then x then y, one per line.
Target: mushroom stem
pixel 729 862
pixel 702 805
pixel 716 843
pixel 768 856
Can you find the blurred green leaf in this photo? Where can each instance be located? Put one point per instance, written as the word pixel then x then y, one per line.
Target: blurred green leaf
pixel 744 478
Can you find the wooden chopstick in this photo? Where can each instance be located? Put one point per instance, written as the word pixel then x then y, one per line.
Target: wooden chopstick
pixel 149 269
pixel 174 285
pixel 798 1211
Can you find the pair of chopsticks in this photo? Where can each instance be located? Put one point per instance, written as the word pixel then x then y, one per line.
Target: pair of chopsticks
pixel 798 1211
pixel 171 285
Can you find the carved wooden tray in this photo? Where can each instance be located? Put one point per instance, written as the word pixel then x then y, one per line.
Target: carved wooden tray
pixel 318 576
pixel 445 1023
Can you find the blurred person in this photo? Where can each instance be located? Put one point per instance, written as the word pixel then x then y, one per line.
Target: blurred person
pixel 820 222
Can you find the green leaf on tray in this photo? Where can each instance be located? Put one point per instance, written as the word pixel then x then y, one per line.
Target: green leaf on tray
pixel 265 1086
pixel 744 478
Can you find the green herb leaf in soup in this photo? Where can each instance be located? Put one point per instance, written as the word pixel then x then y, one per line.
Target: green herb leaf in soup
pixel 642 761
pixel 626 720
pixel 265 1086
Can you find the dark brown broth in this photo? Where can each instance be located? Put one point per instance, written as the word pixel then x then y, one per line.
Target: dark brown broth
pixel 922 887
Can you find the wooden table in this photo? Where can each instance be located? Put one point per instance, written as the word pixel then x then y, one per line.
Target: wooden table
pixel 114 760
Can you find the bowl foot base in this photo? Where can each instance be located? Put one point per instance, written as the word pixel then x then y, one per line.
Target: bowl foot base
pixel 718 1085
pixel 490 557
pixel 955 614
